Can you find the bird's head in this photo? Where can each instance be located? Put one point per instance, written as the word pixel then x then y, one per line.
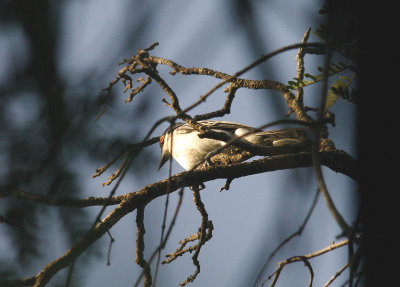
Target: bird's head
pixel 165 145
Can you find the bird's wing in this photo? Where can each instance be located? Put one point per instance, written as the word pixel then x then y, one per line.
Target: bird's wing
pixel 284 133
pixel 226 126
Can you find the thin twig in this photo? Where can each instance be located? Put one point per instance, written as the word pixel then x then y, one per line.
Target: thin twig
pixel 282 264
pixel 315 155
pixel 161 246
pixel 300 66
pixel 297 233
pixel 165 210
pixel 180 251
pixel 147 63
pixel 260 60
pixel 336 275
pixel 202 232
pixel 69 275
pixel 131 147
pixel 112 240
pixel 140 247
pixel 126 165
pixel 294 259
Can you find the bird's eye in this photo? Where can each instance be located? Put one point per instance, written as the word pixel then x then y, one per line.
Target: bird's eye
pixel 162 139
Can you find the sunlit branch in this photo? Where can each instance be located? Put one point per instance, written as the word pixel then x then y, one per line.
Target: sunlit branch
pixel 300 66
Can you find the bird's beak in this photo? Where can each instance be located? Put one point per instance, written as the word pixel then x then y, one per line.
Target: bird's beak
pixel 164 159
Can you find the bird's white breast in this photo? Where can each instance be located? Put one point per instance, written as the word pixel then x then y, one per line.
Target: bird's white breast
pixel 189 150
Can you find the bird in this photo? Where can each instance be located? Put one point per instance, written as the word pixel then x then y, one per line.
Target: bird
pixel 191 151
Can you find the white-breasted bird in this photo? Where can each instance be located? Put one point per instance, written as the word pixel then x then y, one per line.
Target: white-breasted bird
pixel 189 150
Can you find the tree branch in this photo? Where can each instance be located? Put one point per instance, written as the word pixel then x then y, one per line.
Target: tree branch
pixel 61 201
pixel 336 160
pixel 305 258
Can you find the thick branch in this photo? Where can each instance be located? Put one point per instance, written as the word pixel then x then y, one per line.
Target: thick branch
pixel 61 201
pixel 336 160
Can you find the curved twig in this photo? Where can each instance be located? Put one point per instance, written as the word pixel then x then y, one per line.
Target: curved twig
pixel 290 237
pixel 305 259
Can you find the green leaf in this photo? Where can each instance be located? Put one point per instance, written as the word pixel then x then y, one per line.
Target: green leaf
pixel 339 89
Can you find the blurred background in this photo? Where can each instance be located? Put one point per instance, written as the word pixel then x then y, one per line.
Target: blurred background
pixel 55 58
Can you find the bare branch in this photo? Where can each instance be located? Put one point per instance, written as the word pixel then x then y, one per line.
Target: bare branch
pixel 61 201
pixel 336 275
pixel 282 264
pixel 148 64
pixel 130 148
pixel 305 259
pixel 300 66
pixel 297 233
pixel 162 245
pixel 112 240
pixel 140 247
pixel 202 235
pixel 226 109
pixel 316 158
